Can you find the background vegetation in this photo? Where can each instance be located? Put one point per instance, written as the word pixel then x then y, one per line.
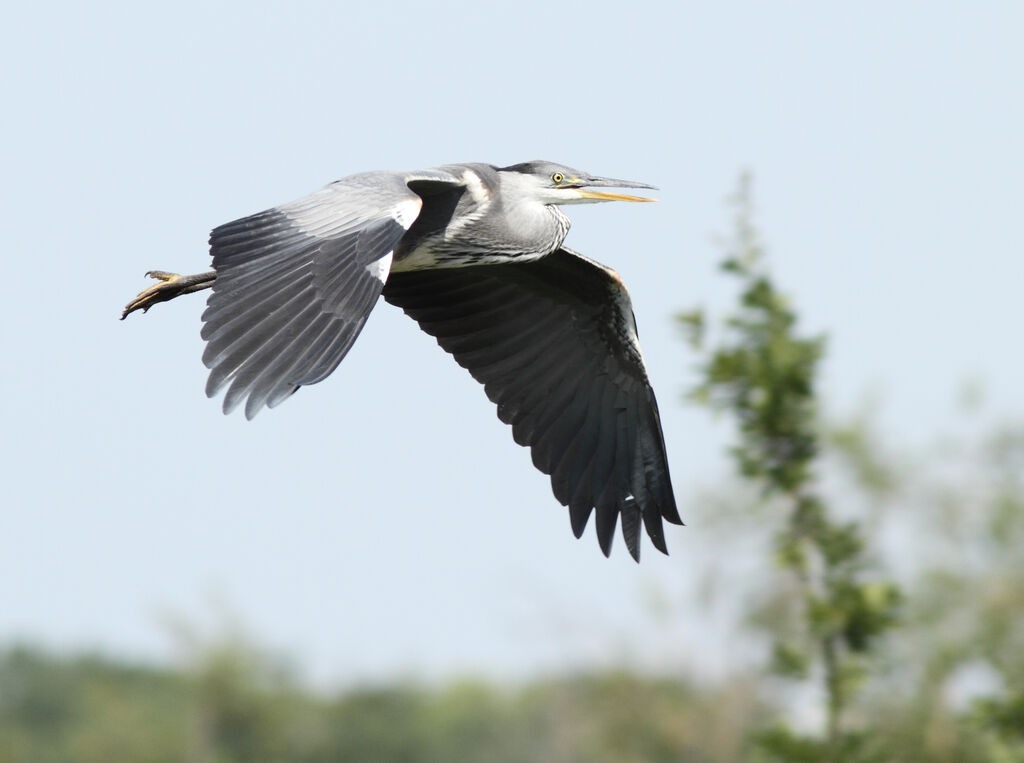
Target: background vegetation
pixel 889 605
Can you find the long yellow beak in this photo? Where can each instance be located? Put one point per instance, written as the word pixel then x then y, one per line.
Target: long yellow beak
pixel 601 196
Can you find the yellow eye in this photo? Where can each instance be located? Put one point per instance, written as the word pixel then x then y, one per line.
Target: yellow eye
pixel 558 177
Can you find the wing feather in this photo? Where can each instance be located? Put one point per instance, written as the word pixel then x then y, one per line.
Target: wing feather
pixel 296 283
pixel 554 344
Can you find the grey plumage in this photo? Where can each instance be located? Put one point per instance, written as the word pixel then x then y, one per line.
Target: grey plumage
pixel 474 254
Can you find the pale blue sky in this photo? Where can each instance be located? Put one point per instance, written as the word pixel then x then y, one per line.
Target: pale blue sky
pixel 383 522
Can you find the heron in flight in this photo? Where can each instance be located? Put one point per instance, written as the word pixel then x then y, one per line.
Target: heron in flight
pixel 474 254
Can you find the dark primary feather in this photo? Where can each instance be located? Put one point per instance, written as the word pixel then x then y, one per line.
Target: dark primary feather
pixel 554 344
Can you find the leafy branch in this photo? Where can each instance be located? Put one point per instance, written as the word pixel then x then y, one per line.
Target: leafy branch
pixel 763 373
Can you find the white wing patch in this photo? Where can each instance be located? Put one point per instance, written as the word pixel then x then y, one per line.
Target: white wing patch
pixel 379 269
pixel 405 213
pixel 475 187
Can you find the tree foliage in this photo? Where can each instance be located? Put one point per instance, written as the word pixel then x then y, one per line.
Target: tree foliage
pixel 232 706
pixel 763 374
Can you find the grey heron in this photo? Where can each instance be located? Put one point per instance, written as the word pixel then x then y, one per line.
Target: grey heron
pixel 474 254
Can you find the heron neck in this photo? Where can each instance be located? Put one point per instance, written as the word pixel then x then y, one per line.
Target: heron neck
pixel 534 227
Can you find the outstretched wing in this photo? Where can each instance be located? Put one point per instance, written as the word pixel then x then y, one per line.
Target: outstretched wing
pixel 554 343
pixel 296 283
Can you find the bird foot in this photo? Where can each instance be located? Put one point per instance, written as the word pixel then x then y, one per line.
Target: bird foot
pixel 170 285
pixel 159 292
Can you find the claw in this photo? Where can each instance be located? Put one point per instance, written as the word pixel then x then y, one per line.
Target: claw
pixel 170 285
pixel 153 294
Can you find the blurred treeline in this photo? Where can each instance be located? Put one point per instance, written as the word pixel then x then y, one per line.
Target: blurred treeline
pixel 888 607
pixel 234 706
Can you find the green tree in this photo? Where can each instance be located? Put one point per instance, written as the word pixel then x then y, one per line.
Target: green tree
pixel 762 372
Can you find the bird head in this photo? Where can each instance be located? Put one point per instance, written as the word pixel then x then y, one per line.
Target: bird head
pixel 552 183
